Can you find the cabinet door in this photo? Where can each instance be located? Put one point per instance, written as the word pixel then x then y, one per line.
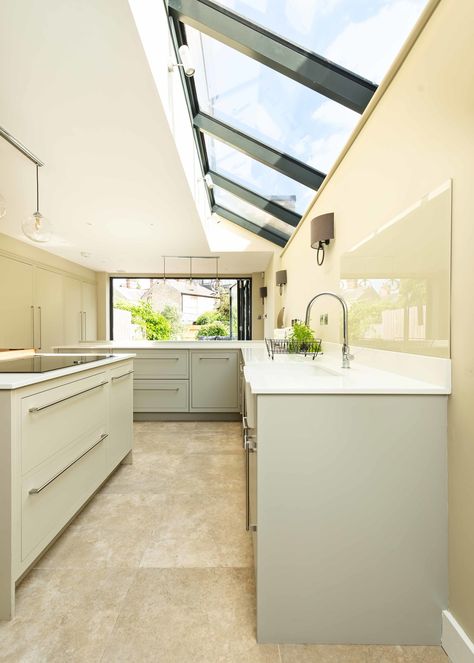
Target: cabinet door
pixel 72 310
pixel 89 308
pixel 49 309
pixel 16 301
pixel 121 414
pixel 214 381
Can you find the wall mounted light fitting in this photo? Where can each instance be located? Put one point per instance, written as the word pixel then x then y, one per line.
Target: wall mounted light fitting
pixel 322 231
pixel 186 61
pixel 263 293
pixel 281 279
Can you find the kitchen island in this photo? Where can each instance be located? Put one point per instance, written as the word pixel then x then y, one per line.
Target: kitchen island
pixel 62 432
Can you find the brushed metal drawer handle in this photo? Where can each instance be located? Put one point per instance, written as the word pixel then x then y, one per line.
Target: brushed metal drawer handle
pixel 221 358
pixel 66 398
pixel 167 389
pixel 119 377
pixel 35 491
pixel 161 358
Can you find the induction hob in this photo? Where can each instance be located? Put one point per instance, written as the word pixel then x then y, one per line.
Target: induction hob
pixel 44 363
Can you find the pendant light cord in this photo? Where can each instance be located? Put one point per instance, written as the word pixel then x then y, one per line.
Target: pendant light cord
pixel 37 190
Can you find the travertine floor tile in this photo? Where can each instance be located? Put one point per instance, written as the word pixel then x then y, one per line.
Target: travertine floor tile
pixel 125 513
pixel 208 473
pixel 148 473
pixel 387 654
pixel 323 654
pixel 95 547
pixel 189 615
pixel 64 616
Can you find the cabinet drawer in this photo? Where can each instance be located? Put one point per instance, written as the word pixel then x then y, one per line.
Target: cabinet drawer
pixel 215 381
pixel 160 396
pixel 54 491
pixel 161 365
pixel 51 419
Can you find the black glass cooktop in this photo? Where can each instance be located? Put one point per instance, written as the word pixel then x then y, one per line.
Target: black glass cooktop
pixel 45 363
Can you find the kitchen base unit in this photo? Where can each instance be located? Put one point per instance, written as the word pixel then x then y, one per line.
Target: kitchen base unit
pixel 62 434
pixel 350 517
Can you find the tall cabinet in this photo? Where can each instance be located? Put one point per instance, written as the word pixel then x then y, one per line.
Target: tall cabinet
pixel 43 308
pixel 16 304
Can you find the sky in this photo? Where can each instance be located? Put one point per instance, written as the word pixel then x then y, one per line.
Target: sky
pixel 361 35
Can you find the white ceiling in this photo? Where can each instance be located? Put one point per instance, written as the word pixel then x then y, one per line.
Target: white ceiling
pixel 75 88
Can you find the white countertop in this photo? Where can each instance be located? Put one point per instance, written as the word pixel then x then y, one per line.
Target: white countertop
pixel 161 345
pixel 10 381
pixel 294 374
pixel 371 372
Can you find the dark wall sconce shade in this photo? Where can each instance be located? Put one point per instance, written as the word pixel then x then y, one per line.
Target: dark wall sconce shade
pixel 322 231
pixel 263 293
pixel 281 278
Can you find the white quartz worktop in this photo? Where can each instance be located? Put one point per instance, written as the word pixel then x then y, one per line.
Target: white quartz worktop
pixel 161 345
pixel 17 380
pixel 290 374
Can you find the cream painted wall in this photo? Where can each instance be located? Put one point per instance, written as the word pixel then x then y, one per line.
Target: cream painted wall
pixel 420 134
pixel 257 306
pixel 13 248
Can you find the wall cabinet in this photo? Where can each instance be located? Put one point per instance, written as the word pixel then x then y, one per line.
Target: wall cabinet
pixel 49 298
pixel 42 308
pixel 80 311
pixel 16 304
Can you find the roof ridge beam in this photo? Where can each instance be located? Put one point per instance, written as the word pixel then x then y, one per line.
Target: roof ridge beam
pixel 291 60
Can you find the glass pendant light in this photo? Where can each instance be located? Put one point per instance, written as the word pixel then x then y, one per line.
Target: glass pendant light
pixel 217 283
pixel 37 227
pixel 3 206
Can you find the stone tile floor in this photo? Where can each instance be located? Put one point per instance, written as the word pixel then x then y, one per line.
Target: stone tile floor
pixel 158 568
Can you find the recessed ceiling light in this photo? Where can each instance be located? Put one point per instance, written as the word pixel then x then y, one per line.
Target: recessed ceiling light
pixel 85 254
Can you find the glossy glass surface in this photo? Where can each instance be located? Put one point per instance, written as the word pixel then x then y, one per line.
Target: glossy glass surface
pixel 253 175
pixel 397 280
pixel 268 106
pixel 251 213
pixel 363 36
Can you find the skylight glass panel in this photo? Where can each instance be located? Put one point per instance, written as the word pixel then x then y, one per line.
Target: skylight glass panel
pixel 251 213
pixel 363 36
pixel 268 106
pixel 252 174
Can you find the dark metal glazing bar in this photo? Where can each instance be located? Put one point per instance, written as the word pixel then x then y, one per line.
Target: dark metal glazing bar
pixel 303 66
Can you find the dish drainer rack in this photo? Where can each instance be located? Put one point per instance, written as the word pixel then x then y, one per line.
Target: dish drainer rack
pixel 277 346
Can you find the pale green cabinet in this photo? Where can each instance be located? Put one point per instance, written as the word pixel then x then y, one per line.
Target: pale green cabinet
pixel 214 381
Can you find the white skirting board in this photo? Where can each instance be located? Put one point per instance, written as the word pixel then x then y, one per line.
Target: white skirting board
pixel 455 641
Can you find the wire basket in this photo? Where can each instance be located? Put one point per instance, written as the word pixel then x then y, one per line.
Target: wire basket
pixel 284 346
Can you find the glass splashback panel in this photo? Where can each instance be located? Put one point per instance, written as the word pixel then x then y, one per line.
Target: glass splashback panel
pixel 397 280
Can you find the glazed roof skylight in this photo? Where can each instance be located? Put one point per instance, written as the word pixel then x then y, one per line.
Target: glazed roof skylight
pixel 279 87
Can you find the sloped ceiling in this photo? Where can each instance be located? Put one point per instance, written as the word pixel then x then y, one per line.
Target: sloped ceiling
pixel 75 88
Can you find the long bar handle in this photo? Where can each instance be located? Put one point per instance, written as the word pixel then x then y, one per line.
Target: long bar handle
pixel 35 491
pixel 221 358
pixel 85 325
pixel 249 448
pixel 66 398
pixel 33 318
pixel 166 389
pixel 119 377
pixel 40 332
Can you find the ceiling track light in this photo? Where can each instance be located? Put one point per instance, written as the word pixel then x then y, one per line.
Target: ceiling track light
pixel 186 62
pixel 208 181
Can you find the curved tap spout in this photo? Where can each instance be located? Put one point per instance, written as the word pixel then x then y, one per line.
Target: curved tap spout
pixel 346 354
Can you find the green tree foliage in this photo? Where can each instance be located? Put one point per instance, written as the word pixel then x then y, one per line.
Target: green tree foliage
pixel 172 314
pixel 207 317
pixel 156 326
pixel 216 328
